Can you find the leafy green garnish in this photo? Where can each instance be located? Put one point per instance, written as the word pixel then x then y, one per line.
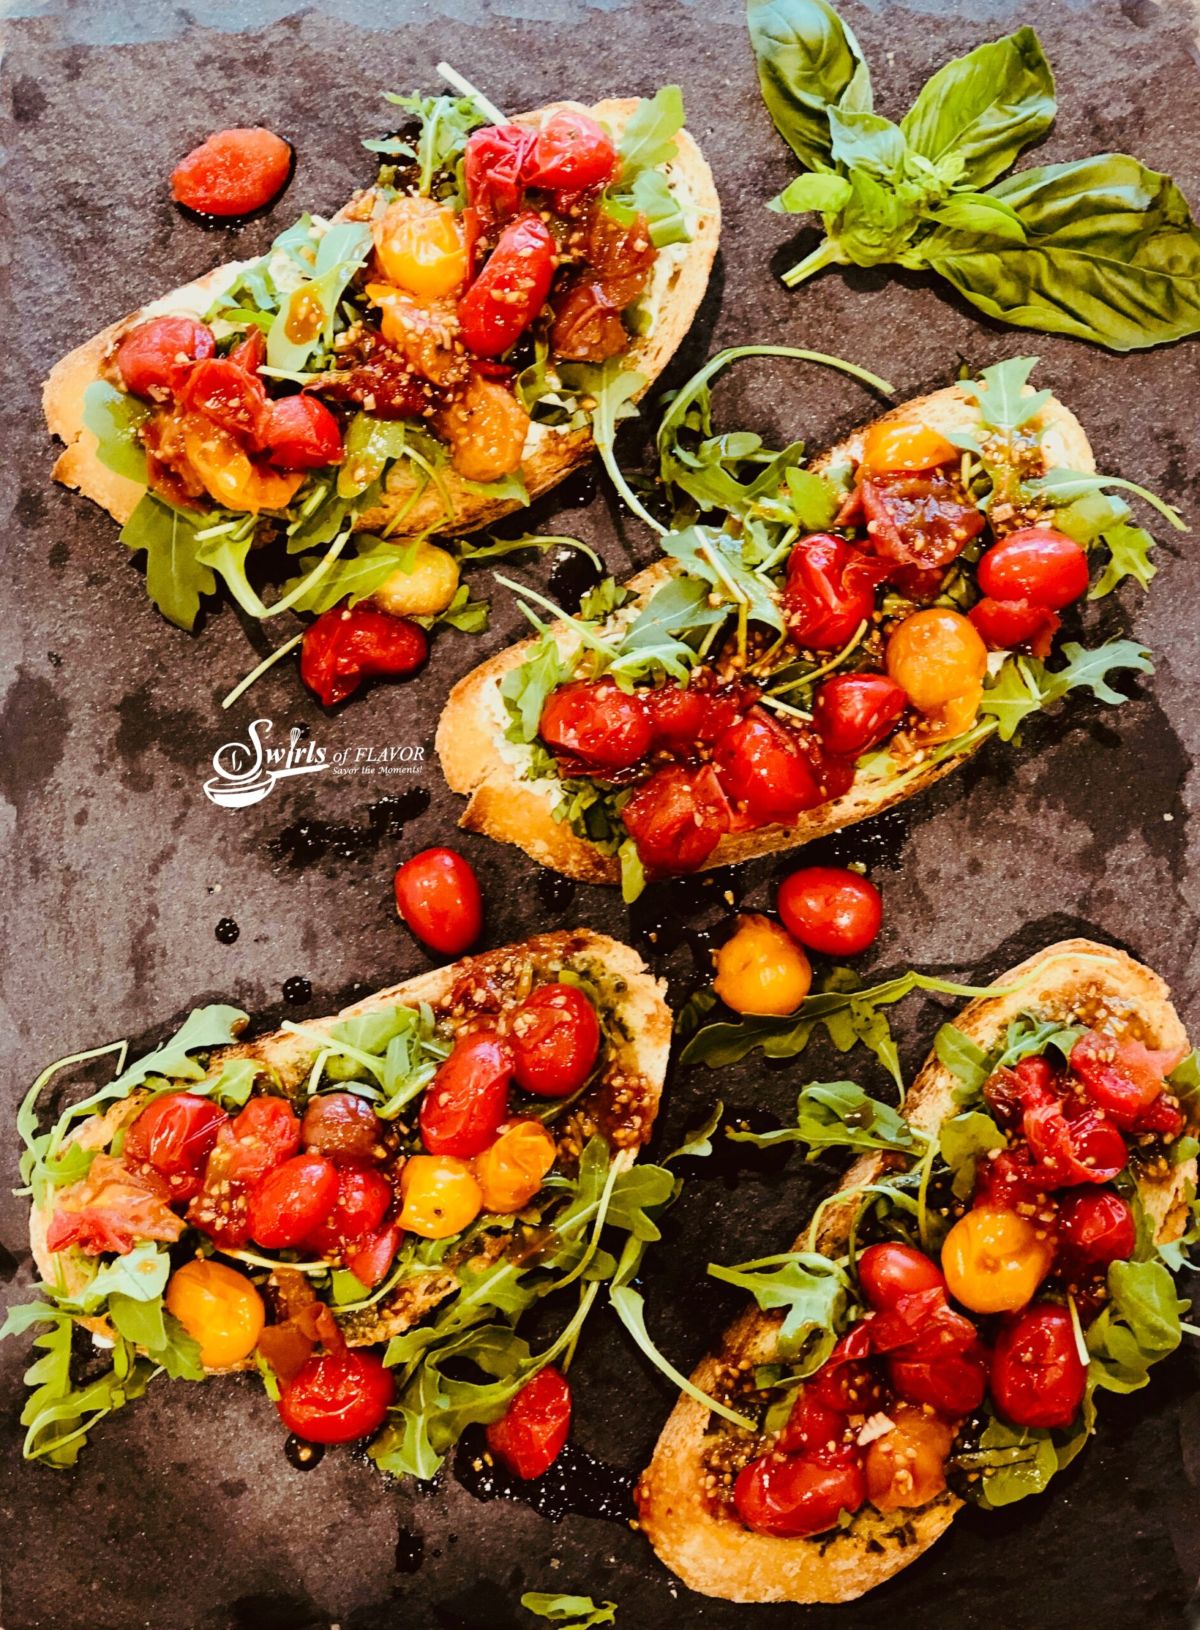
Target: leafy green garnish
pixel 569 1612
pixel 1024 685
pixel 838 1115
pixel 814 1293
pixel 446 122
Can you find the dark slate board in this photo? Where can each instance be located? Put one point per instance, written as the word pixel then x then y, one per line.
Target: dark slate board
pixel 184 1512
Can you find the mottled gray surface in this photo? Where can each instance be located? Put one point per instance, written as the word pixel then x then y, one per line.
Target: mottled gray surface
pixel 183 1512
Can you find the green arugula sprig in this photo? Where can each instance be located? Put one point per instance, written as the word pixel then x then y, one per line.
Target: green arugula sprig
pixel 569 1612
pixel 1101 248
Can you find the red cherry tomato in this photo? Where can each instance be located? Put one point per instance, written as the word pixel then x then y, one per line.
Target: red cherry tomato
pixel 529 1436
pixel 1030 1084
pixel 467 1099
pixel 301 434
pixel 1085 1148
pixel 1096 1227
pixel 263 1135
pixel 288 1203
pixel 369 1260
pixel 1038 1378
pixel 1005 624
pixel 951 1383
pixel 676 818
pixel 687 717
pixel 438 896
pixel 830 590
pixel 789 1497
pixel 830 909
pixel 344 647
pixel 555 1040
pixel 154 358
pixel 1036 564
pixel 846 1382
pixel 919 519
pixel 888 1272
pixel 494 167
pixel 571 154
pixel 229 396
pixel 815 1431
pixel 1121 1078
pixel 343 1126
pixel 854 712
pixel 764 768
pixel 250 352
pixel 338 1397
pixel 175 1134
pixel 360 1205
pixel 510 290
pixel 232 173
pixel 597 724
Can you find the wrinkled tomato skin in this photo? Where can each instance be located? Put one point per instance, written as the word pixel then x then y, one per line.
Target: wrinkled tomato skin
pixel 467 1099
pixel 597 724
pixel 891 1271
pixel 264 1134
pixel 571 153
pixel 438 896
pixel 510 290
pixel 831 909
pixel 555 1040
pixel 921 520
pixel 951 1383
pixel 360 1205
pixel 288 1203
pixel 341 1126
pixel 175 1134
pixel 815 1431
pixel 1036 564
pixel 791 1497
pixel 1084 1148
pixel 854 712
pixel 344 647
pixel 1095 1227
pixel 338 1397
pixel 233 173
pixel 846 1382
pixel 529 1437
pixel 685 718
pixel 494 169
pixel 154 358
pixel 1003 625
pixel 1038 1379
pixel 1117 1079
pixel 829 591
pixel 300 433
pixel 225 393
pixel 1008 1093
pixel 676 818
pixel 763 769
pixel 369 1259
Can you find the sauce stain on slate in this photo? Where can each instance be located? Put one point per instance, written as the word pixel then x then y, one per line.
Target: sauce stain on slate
pixel 410 1552
pixel 573 575
pixel 578 1484
pixel 227 930
pixel 297 990
pixel 302 1455
pixel 304 843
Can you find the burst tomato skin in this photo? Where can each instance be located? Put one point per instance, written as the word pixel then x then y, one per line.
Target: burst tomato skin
pixel 510 290
pixel 831 909
pixel 300 433
pixel 1123 1079
pixel 790 1496
pixel 342 1126
pixel 846 1382
pixel 438 896
pixel 598 724
pixel 1038 1378
pixel 854 712
pixel 1005 624
pixel 676 818
pixel 1037 564
pixel 287 1204
pixel 338 1397
pixel 1096 1227
pixel 467 1099
pixel 529 1437
pixel 764 769
pixel 232 173
pixel 361 1202
pixel 891 1271
pixel 494 166
pixel 175 1134
pixel 906 1467
pixel 344 647
pixel 815 1431
pixel 571 153
pixel 153 359
pixel 370 1258
pixel 555 1040
pixel 829 592
pixel 264 1134
pixel 951 1383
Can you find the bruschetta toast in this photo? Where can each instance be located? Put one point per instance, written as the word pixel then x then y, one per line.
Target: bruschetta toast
pixel 1036 1179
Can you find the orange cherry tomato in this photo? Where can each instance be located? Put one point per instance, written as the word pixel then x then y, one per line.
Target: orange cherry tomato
pixel 935 655
pixel 230 476
pixel 761 969
pixel 994 1261
pixel 907 1466
pixel 219 1307
pixel 441 1196
pixel 510 1173
pixel 893 445
pixel 420 247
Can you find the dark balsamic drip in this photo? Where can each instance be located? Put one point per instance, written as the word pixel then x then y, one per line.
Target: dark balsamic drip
pixel 303 1456
pixel 578 490
pixel 554 890
pixel 297 990
pixel 410 1552
pixel 573 575
pixel 227 931
pixel 877 842
pixel 306 842
pixel 577 1485
pixel 691 912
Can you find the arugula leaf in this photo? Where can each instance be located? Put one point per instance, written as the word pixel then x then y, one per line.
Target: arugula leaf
pixel 611 389
pixel 1012 1462
pixel 495 548
pixel 446 122
pixel 962 1139
pixel 1002 396
pixel 963 1058
pixel 1060 486
pixel 814 1293
pixel 570 1612
pixel 808 61
pixel 838 1115
pixel 114 418
pixel 720 561
pixel 1138 1326
pixel 1024 685
pixel 176 580
pixel 648 137
pixel 1128 556
pixel 630 1309
pixel 351 577
pixel 698 1142
pixel 343 248
pixel 526 689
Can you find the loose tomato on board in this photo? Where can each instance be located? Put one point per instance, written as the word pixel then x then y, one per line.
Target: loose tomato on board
pixel 467 1100
pixel 555 1040
pixel 790 1496
pixel 676 818
pixel 761 969
pixel 854 712
pixel 571 153
pixel 300 433
pixel 175 1135
pixel 360 1205
pixel 510 290
pixel 219 1308
pixel 891 1271
pixel 597 724
pixel 287 1204
pixel 345 646
pixel 438 896
pixel 829 591
pixel 153 359
pixel 529 1436
pixel 830 909
pixel 494 167
pixel 1038 1378
pixel 338 1397
pixel 233 172
pixel 1036 564
pixel 1006 624
pixel 1095 1227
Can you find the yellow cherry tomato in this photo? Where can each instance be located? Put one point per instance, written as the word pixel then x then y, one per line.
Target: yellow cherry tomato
pixel 994 1261
pixel 420 247
pixel 427 587
pixel 229 475
pixel 510 1172
pixel 904 444
pixel 907 1466
pixel 761 969
pixel 953 717
pixel 220 1308
pixel 441 1196
pixel 935 655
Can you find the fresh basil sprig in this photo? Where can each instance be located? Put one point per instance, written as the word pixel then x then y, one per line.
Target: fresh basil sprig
pixel 1100 248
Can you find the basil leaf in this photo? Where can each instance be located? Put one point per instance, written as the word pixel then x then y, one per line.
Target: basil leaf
pixel 982 109
pixel 814 1292
pixel 808 61
pixel 867 142
pixel 977 212
pixel 816 190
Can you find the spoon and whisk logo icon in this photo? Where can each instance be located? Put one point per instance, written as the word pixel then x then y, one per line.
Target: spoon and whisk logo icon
pixel 246 771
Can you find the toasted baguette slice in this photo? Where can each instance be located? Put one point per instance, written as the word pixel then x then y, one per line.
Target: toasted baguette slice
pixel 1073 980
pixel 622 1103
pixel 478 761
pixel 679 282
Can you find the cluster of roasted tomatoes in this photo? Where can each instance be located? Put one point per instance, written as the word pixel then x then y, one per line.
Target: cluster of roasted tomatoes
pixel 876 1423
pixel 711 758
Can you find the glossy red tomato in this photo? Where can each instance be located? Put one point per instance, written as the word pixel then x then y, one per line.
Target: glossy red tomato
pixel 789 1496
pixel 765 770
pixel 225 393
pixel 287 1204
pixel 261 1136
pixel 494 166
pixel 154 358
pixel 888 1272
pixel 175 1134
pixel 1096 1227
pixel 815 1431
pixel 1038 1377
pixel 529 1436
pixel 510 290
pixel 571 154
pixel 360 1205
pixel 232 173
pixel 676 818
pixel 369 1259
pixel 1036 564
pixel 846 1382
pixel 1121 1078
pixel 555 1040
pixel 438 896
pixel 300 433
pixel 1084 1148
pixel 854 712
pixel 338 1397
pixel 951 1383
pixel 830 590
pixel 343 1126
pixel 830 909
pixel 344 647
pixel 597 724
pixel 1003 625
pixel 1008 1093
pixel 686 717
pixel 467 1099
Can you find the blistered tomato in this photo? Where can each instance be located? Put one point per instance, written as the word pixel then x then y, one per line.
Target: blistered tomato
pixel 761 969
pixel 570 154
pixel 510 1173
pixel 420 246
pixel 467 1099
pixel 362 1201
pixel 529 1437
pixel 1038 1378
pixel 854 712
pixel 289 1202
pixel 233 172
pixel 676 818
pixel 994 1261
pixel 175 1134
pixel 1096 1227
pixel 338 1397
pixel 300 433
pixel 219 1308
pixel 789 1496
pixel 438 896
pixel 935 656
pixel 347 645
pixel 555 1038
pixel 441 1196
pixel 421 589
pixel 510 290
pixel 889 1272
pixel 830 909
pixel 597 723
pixel 764 768
pixel 1036 564
pixel 907 1466
pixel 154 358
pixel 892 445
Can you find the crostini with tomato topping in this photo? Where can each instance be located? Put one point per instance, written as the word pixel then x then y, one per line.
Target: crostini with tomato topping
pixel 944 1328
